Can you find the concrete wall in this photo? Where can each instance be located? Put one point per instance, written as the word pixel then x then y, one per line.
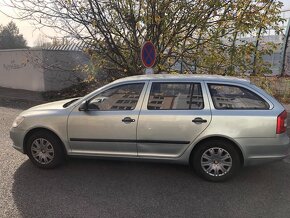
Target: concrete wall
pixel 40 70
pixel 21 69
pixel 60 68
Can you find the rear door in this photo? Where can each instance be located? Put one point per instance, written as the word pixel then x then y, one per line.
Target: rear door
pixel 173 114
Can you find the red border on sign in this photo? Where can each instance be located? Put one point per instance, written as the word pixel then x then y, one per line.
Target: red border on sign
pixel 142 54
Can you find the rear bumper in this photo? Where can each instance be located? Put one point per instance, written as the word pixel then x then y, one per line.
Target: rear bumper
pixel 264 159
pixel 263 150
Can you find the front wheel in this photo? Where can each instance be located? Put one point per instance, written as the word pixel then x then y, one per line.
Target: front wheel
pixel 44 150
pixel 216 160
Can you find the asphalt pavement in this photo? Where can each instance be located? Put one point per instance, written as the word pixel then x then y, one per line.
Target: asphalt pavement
pixel 99 188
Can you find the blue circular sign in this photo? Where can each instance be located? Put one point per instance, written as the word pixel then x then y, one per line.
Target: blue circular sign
pixel 148 54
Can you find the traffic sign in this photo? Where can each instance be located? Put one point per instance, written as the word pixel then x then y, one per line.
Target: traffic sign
pixel 148 54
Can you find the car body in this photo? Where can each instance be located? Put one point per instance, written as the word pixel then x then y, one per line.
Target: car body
pixel 214 123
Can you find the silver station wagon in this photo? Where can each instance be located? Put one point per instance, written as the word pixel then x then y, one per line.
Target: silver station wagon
pixel 214 124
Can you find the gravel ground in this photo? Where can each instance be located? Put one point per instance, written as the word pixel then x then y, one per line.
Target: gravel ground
pixel 9 158
pixel 98 188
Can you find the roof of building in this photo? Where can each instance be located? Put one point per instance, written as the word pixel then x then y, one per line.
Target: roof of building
pixel 80 46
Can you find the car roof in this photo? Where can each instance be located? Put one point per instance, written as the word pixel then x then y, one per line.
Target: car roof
pixel 182 77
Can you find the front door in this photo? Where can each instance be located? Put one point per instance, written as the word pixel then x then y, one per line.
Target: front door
pixel 108 127
pixel 172 116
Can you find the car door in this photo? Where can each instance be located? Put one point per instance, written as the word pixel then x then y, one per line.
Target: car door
pixel 172 116
pixel 108 126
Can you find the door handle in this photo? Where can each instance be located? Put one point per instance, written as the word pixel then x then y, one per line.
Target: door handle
pixel 199 120
pixel 128 120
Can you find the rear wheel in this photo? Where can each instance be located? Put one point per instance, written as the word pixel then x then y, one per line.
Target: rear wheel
pixel 44 150
pixel 216 160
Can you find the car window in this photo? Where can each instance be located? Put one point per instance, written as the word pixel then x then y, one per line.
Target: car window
pixel 235 98
pixel 175 96
pixel 123 97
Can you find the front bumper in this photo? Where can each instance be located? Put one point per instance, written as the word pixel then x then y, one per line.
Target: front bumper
pixel 17 135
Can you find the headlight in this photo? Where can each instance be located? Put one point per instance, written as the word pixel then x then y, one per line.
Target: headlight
pixel 17 121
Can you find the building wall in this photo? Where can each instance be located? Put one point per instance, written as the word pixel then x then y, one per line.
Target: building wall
pixel 40 69
pixel 21 69
pixel 60 68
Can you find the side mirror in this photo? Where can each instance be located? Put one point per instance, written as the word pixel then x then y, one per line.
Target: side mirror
pixel 84 106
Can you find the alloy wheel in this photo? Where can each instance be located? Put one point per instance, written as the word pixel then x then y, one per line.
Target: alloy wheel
pixel 216 161
pixel 42 151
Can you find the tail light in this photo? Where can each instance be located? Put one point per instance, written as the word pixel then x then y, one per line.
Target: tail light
pixel 281 123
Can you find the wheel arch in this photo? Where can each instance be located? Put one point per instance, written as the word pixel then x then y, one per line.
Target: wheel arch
pixel 222 138
pixel 39 129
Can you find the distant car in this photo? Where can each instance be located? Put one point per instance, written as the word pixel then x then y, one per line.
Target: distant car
pixel 215 124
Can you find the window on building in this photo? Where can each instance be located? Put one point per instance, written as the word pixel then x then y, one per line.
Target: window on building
pixel 117 98
pixel 175 96
pixel 235 98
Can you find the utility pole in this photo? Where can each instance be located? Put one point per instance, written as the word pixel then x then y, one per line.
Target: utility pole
pixel 285 45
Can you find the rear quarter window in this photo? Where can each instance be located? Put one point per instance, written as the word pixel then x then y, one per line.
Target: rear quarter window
pixel 231 97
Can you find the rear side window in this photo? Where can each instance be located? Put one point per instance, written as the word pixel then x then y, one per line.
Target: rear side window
pixel 236 98
pixel 175 96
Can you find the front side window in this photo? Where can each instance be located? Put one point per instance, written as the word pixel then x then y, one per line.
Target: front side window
pixel 175 96
pixel 123 97
pixel 235 98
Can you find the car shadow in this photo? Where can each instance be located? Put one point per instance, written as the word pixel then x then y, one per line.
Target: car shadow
pixel 105 188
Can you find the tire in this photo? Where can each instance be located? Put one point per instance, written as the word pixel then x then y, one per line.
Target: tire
pixel 45 150
pixel 216 160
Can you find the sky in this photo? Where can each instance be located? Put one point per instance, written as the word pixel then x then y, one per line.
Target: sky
pixel 32 35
